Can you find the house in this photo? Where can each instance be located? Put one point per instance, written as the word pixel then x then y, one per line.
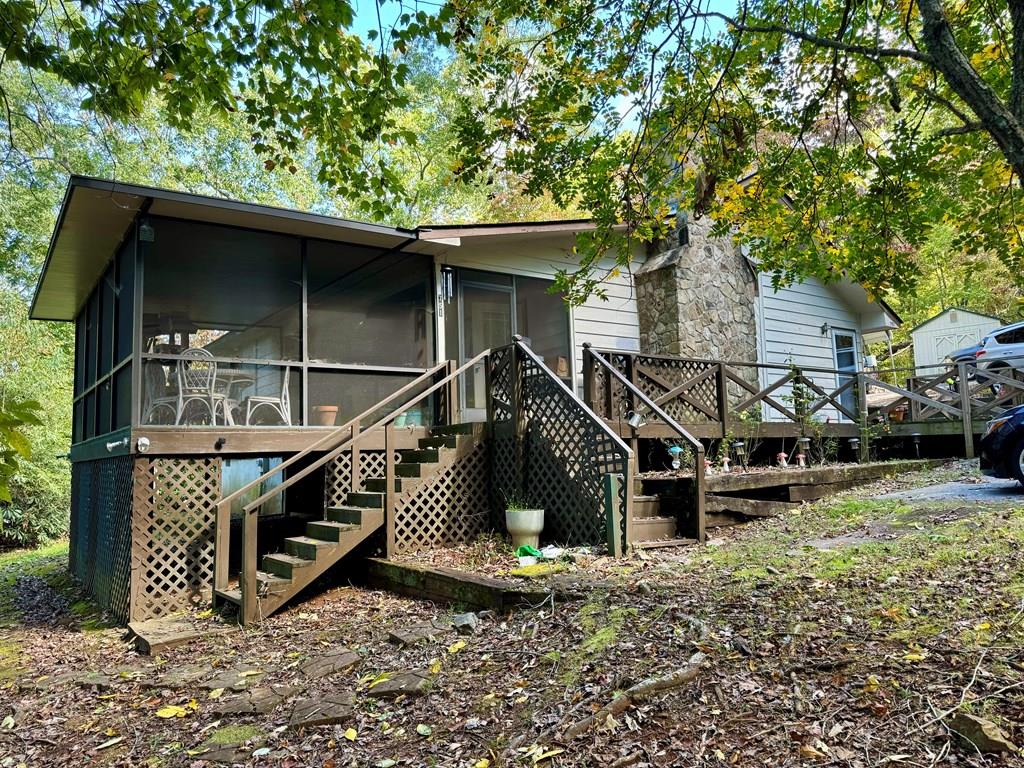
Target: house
pixel 951 329
pixel 250 379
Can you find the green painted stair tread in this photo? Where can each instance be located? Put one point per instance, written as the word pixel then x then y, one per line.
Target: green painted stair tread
pixel 379 484
pixel 452 429
pixel 410 469
pixel 365 500
pixel 440 441
pixel 329 530
pixel 307 546
pixel 345 514
pixel 420 455
pixel 282 564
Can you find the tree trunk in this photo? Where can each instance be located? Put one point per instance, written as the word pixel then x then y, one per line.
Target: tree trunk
pixel 1003 125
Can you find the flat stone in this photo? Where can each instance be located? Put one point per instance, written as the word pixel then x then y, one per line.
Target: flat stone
pixel 158 635
pixel 417 633
pixel 982 733
pixel 414 683
pixel 465 623
pixel 257 701
pixel 178 677
pixel 337 661
pixel 237 679
pixel 325 710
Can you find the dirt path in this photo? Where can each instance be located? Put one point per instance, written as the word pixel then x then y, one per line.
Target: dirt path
pixel 815 654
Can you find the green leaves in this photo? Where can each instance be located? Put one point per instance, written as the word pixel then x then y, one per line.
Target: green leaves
pixel 14 444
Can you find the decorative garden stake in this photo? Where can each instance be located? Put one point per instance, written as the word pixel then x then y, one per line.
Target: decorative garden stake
pixel 725 463
pixel 741 453
pixel 781 459
pixel 801 460
pixel 675 450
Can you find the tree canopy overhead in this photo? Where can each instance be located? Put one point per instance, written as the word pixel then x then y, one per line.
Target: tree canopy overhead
pixel 836 134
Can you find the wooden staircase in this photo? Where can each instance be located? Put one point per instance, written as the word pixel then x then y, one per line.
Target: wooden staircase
pixel 655 520
pixel 343 528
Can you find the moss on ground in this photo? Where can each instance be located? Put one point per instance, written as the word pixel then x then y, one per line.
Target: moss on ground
pixel 231 735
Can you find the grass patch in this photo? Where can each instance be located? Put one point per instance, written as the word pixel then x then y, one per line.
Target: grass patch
pixel 231 735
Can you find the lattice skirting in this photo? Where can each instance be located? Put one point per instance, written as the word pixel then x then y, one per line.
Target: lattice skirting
pixel 173 523
pixel 338 480
pixel 100 546
pixel 451 507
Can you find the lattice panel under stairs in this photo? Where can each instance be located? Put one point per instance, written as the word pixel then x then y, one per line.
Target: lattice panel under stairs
pixel 450 507
pixel 100 546
pixel 173 523
pixel 338 477
pixel 567 455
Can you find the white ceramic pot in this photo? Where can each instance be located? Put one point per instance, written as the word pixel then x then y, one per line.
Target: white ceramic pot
pixel 524 525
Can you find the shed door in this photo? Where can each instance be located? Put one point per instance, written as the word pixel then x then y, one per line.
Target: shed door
pixel 844 344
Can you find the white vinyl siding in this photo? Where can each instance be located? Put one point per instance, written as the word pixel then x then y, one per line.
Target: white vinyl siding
pixel 608 324
pixel 791 320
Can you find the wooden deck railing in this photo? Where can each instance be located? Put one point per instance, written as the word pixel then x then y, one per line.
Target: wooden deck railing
pixel 638 398
pixel 714 398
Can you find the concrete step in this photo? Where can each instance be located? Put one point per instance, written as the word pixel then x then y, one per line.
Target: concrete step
pixel 651 528
pixel 284 565
pixel 308 547
pixel 646 506
pixel 453 429
pixel 366 500
pixel 329 530
pixel 440 441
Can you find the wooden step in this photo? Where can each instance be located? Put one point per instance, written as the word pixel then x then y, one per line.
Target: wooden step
pixel 308 547
pixel 651 528
pixel 329 530
pixel 285 565
pixel 365 500
pixel 380 484
pixel 658 543
pixel 440 441
pixel 420 455
pixel 345 514
pixel 267 583
pixel 646 506
pixel 410 469
pixel 453 429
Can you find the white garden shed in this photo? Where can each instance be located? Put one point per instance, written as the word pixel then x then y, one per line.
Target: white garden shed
pixel 952 329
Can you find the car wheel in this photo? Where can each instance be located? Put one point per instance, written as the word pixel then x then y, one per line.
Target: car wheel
pixel 1015 462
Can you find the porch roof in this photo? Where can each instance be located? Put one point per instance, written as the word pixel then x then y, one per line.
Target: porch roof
pixel 96 215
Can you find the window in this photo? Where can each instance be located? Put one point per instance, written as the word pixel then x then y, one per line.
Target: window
pixel 543 318
pixel 359 297
pixel 232 292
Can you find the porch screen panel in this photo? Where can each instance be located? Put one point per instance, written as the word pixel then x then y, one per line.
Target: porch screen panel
pixel 337 396
pixel 543 318
pixel 233 292
pixel 368 307
pixel 125 301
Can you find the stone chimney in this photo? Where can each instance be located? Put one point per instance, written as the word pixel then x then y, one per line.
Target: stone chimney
pixel 697 299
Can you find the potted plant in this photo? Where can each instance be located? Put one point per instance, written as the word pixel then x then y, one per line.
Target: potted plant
pixel 523 521
pixel 325 415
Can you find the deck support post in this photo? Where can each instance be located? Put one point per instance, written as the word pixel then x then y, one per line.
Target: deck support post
pixel 452 394
pixel 721 379
pixel 698 496
pixel 588 379
pixel 965 409
pixel 356 461
pixel 250 598
pixel 389 488
pixel 862 412
pixel 613 513
pixel 221 545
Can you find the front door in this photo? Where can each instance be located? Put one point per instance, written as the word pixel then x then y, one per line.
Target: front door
pixel 487 322
pixel 844 344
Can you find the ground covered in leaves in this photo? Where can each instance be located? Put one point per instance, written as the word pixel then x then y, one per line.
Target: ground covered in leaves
pixel 844 633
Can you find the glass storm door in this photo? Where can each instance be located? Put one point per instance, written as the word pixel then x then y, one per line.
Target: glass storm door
pixel 487 323
pixel 845 347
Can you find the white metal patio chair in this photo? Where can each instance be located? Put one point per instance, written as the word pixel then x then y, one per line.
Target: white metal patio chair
pixel 281 405
pixel 197 380
pixel 158 395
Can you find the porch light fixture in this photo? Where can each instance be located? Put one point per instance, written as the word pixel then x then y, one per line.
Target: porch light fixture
pixel 146 233
pixel 825 328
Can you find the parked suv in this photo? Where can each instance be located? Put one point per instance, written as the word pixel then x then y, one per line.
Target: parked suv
pixel 1002 348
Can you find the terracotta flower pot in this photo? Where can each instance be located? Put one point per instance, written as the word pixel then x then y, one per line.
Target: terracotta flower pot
pixel 325 415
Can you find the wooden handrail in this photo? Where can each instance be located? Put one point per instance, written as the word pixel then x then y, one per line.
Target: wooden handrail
pixel 602 424
pixel 357 436
pixel 647 401
pixel 346 427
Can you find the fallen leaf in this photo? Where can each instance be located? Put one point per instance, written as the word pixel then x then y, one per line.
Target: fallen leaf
pixel 424 730
pixel 110 742
pixel 216 693
pixel 171 710
pixel 457 646
pixel 351 734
